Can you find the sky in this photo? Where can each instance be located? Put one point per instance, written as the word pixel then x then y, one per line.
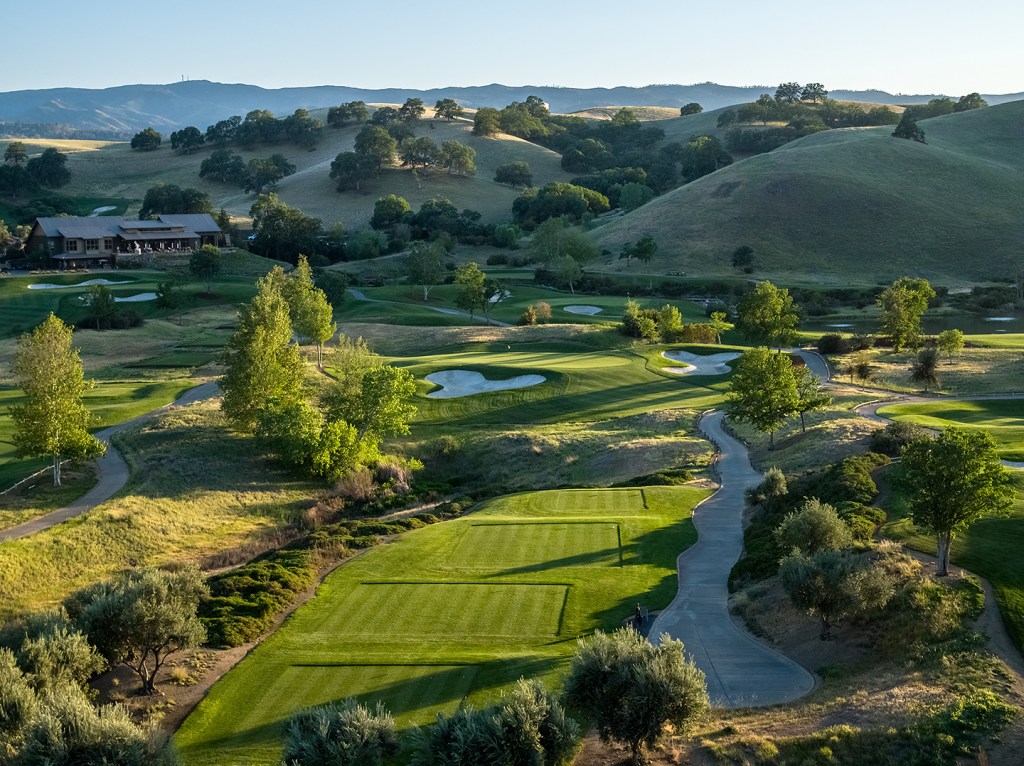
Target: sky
pixel 905 47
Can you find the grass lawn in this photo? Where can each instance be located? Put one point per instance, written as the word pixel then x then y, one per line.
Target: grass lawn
pixel 991 547
pixel 1002 418
pixel 453 612
pixel 40 497
pixel 196 491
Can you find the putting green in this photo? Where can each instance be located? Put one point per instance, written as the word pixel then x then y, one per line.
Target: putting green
pixel 1002 418
pixel 453 612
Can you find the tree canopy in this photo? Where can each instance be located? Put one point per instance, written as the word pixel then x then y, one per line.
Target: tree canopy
pixel 763 391
pixel 630 689
pixel 282 231
pixel 448 108
pixel 902 305
pixel 49 169
pixel 768 315
pixel 951 482
pixel 146 140
pixel 424 266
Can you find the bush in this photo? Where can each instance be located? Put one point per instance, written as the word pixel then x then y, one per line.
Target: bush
pixel 816 526
pixel 340 734
pixel 895 436
pixel 357 484
pixel 833 343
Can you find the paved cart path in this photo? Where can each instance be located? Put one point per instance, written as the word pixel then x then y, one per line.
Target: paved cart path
pixel 112 470
pixel 741 670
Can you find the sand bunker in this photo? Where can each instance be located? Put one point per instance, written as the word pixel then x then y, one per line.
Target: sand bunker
pixel 140 298
pixel 456 383
pixel 103 209
pixel 48 286
pixel 585 310
pixel 500 296
pixel 1000 319
pixel 714 364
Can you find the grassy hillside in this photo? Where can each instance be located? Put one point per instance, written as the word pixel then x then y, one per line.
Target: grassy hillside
pixel 642 112
pixel 858 204
pixel 104 169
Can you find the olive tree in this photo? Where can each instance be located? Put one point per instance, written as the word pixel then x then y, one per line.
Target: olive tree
pixel 834 585
pixel 340 734
pixel 144 617
pixel 631 688
pixel 814 527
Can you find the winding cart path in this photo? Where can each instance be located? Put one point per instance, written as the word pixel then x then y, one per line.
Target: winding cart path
pixel 741 670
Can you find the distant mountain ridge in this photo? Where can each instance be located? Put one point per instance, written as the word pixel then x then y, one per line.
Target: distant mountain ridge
pixel 121 111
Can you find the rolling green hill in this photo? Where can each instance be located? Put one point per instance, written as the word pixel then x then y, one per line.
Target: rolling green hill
pixel 112 169
pixel 852 205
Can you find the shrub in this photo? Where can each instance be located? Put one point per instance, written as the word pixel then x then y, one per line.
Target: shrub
pixel 833 343
pixel 357 484
pixel 895 436
pixel 816 526
pixel 340 734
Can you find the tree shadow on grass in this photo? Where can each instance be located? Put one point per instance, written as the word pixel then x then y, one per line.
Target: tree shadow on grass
pixel 445 687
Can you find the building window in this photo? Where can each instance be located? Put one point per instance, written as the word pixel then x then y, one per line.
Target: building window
pixel 71 245
pixel 92 245
pixel 108 244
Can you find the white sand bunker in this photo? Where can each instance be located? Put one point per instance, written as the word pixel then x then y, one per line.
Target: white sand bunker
pixel 500 296
pixel 103 209
pixel 48 286
pixel 456 383
pixel 713 364
pixel 140 298
pixel 585 310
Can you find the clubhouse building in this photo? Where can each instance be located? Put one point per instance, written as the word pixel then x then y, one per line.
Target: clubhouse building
pixel 98 241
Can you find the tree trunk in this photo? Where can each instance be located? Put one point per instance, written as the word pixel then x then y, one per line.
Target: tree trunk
pixel 320 355
pixel 771 441
pixel 636 750
pixel 803 428
pixel 56 470
pixel 426 293
pixel 826 628
pixel 943 540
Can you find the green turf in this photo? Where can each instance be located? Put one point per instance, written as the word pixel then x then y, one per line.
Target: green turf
pixel 850 206
pixel 1002 418
pixel 453 612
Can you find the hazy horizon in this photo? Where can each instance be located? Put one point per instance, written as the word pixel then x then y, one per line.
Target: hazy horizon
pixel 951 49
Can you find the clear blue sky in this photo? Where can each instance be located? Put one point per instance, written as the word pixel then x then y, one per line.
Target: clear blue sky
pixel 909 47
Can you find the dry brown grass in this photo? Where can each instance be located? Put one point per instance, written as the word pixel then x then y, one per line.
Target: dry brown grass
pixel 975 371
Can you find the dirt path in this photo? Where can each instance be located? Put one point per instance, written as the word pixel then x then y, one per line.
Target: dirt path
pixel 741 671
pixel 112 470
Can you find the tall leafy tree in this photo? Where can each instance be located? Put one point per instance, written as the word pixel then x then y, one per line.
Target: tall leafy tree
pixel 768 315
pixel 205 264
pixel 418 152
pixel 469 281
pixel 950 343
pixel 375 146
pixel 187 140
pixel 49 169
pixel 283 231
pixel 763 391
pixel 903 304
pixel 811 394
pixel 262 365
pixel 788 92
pixel 909 129
pixel 223 165
pixel 424 266
pixel 951 482
pixel 146 140
pixel 311 313
pixel 448 108
pixel 412 109
pixel 351 169
pixel 15 152
pixel 457 158
pixel 52 421
pixel 692 108
pixel 814 92
pixel 388 211
pixel 719 324
pixel 486 122
pixel 515 174
pixel 631 689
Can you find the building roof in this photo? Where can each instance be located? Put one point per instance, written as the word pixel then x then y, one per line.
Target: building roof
pixel 89 227
pixel 144 236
